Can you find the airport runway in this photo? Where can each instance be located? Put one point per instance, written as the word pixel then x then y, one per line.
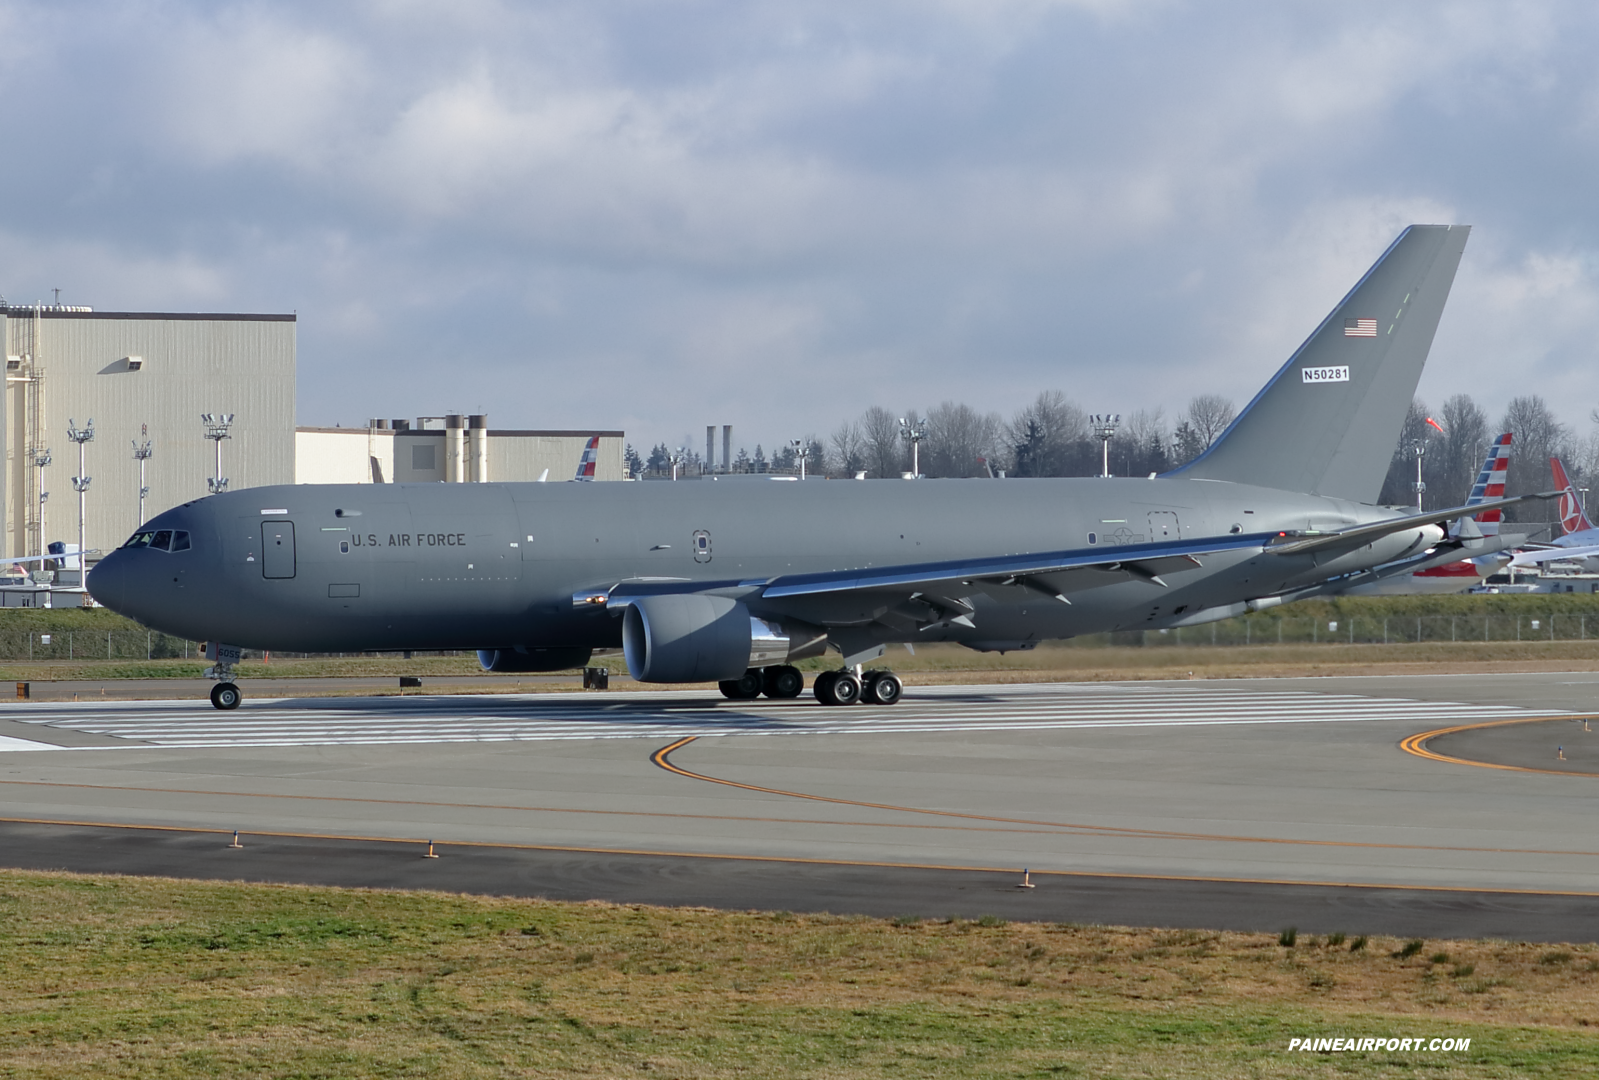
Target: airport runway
pixel 1242 803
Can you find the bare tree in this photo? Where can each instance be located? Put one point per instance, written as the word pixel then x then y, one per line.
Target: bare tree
pixel 1140 446
pixel 957 435
pixel 882 447
pixel 1461 453
pixel 1050 438
pixel 1209 415
pixel 846 450
pixel 1536 436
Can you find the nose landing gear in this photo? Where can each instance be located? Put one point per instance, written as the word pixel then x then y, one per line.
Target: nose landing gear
pixel 225 694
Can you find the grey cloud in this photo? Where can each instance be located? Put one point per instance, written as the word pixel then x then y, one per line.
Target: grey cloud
pixel 661 215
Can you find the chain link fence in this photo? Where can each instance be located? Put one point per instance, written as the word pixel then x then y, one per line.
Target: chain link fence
pixel 22 645
pixel 84 645
pixel 1362 630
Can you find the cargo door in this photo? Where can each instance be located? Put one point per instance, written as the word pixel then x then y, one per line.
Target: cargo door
pixel 277 549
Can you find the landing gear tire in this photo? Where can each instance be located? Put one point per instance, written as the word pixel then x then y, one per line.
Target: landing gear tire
pixel 843 688
pixel 225 695
pixel 881 688
pixel 782 682
pixel 743 688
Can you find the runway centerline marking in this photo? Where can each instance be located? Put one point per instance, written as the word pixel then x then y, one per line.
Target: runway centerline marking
pixel 662 758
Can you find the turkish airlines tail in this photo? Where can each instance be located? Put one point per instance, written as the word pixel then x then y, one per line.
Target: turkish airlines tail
pixel 1572 517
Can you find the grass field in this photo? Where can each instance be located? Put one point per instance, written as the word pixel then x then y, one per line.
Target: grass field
pixel 124 977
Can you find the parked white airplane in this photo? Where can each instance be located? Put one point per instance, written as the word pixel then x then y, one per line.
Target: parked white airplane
pixel 1579 540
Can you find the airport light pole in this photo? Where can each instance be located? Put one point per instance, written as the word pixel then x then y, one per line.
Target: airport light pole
pixel 41 458
pixel 914 431
pixel 1105 430
pixel 80 484
pixel 802 450
pixel 216 429
pixel 1420 486
pixel 675 458
pixel 142 454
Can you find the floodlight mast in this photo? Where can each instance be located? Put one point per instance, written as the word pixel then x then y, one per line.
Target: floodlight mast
pixel 142 454
pixel 41 458
pixel 1104 430
pixel 216 429
pixel 675 458
pixel 1420 486
pixel 80 484
pixel 802 450
pixel 914 431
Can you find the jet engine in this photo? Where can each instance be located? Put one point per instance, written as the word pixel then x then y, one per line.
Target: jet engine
pixel 688 637
pixel 525 659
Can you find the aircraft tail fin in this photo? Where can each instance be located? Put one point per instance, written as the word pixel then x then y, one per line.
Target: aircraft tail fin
pixel 1327 422
pixel 1491 484
pixel 1572 516
pixel 590 458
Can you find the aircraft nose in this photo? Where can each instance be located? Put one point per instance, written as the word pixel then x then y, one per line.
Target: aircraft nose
pixel 108 581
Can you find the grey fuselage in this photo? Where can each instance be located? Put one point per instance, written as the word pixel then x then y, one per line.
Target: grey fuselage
pixel 476 566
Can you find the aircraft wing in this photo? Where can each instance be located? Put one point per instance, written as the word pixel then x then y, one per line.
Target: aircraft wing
pixel 937 589
pixel 1554 554
pixel 1294 543
pixel 924 594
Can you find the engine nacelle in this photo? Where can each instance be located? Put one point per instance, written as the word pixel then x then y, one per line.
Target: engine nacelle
pixel 694 638
pixel 525 659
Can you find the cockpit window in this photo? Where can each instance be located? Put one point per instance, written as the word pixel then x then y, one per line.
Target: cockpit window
pixel 160 540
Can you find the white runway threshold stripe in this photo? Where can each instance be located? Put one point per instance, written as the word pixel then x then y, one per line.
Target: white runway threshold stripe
pixel 675 714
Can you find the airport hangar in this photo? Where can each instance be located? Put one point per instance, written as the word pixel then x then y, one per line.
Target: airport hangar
pixel 147 378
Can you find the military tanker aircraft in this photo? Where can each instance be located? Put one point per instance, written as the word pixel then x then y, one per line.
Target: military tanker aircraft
pixel 732 581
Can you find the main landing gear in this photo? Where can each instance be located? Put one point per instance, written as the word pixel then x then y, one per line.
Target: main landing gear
pixel 782 681
pixel 225 695
pixel 846 688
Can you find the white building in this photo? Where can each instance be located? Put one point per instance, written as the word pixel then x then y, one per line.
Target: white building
pixel 453 449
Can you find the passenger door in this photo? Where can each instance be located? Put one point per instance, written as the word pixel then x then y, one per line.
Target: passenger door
pixel 277 549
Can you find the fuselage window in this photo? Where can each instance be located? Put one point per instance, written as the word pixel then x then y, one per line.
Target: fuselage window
pixel 1093 538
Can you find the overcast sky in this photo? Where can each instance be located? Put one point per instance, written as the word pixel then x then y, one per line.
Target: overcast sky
pixel 659 215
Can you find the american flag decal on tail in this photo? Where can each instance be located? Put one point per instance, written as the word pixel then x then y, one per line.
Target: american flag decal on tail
pixel 591 456
pixel 1491 484
pixel 1360 328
